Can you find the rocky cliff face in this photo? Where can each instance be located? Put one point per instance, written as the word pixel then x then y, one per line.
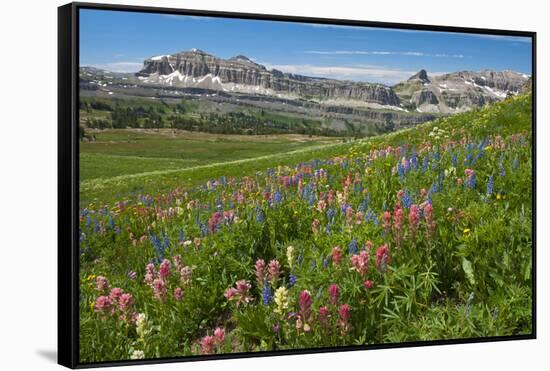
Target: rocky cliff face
pixel 458 91
pixel 196 68
pixel 422 92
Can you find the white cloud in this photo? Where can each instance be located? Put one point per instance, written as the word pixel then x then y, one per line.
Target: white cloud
pixel 366 73
pixel 520 39
pixel 508 38
pixel 118 66
pixel 377 52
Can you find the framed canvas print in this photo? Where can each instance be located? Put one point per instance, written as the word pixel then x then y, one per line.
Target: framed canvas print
pixel 236 185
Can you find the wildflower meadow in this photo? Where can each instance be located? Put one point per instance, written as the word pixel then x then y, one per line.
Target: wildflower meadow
pixel 417 235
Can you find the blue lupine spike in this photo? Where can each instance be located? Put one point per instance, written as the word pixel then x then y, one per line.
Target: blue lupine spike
pixel 400 171
pixel 471 181
pixel 501 170
pixel 259 215
pixel 331 213
pixel 292 280
pixel 277 197
pixel 414 159
pixel 311 198
pixel 407 200
pixel 490 185
pixel 469 158
pixel 267 294
pixel 204 230
pixel 425 162
pixel 353 247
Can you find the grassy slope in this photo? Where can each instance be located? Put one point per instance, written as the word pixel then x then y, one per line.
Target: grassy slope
pixel 110 190
pixel 487 252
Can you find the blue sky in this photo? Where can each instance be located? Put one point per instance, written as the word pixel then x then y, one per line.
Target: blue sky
pixel 120 41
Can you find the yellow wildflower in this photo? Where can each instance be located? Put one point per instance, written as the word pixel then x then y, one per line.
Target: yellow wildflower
pixel 281 300
pixel 290 255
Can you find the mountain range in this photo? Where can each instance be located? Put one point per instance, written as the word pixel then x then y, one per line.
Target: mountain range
pixel 220 86
pixel 447 93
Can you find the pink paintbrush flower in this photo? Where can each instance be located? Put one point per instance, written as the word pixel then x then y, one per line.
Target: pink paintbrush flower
pixel 333 294
pixel 150 274
pixel 305 301
pixel 219 334
pixel 259 270
pixel 336 255
pixel 360 262
pixel 116 293
pixel 178 293
pixel 186 273
pixel 382 257
pixel 386 221
pixel 398 219
pixel 239 292
pixel 274 271
pixel 323 315
pixel 102 303
pixel 177 262
pixel 101 283
pixel 343 319
pixel 208 344
pixel 414 219
pixel 230 293
pixel 321 205
pixel 368 284
pixel 159 288
pixel 125 301
pixel 315 224
pixel 349 214
pixel 164 269
pixel 429 216
pixel 344 312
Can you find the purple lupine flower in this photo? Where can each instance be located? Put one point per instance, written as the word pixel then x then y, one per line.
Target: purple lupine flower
pixel 267 294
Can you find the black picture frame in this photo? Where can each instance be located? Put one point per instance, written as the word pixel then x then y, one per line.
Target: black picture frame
pixel 68 178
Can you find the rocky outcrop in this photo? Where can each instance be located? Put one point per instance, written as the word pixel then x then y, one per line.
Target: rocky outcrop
pixel 196 68
pixel 420 76
pixel 424 96
pixel 508 81
pixel 458 91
